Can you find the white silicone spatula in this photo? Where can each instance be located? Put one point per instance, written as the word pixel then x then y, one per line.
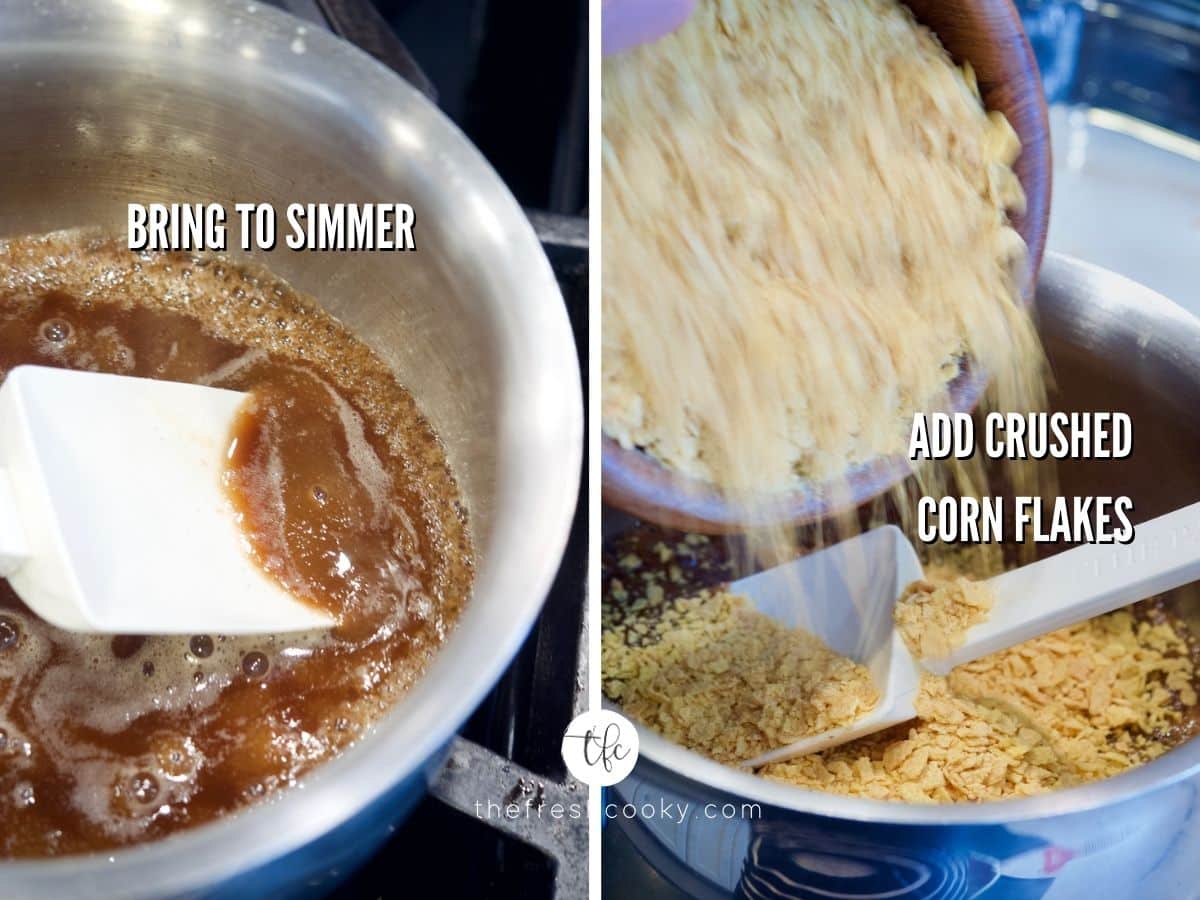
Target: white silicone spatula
pixel 113 517
pixel 845 595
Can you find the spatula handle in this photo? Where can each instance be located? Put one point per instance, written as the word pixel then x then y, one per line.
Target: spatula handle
pixel 13 552
pixel 1084 582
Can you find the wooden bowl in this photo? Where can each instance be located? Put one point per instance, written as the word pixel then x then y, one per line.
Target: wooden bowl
pixel 988 34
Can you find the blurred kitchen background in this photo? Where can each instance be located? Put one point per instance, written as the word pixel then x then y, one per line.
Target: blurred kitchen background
pixel 1123 80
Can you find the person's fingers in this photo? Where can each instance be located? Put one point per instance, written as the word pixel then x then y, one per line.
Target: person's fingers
pixel 626 23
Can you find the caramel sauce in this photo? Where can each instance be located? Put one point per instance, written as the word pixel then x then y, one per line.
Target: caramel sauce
pixel 333 528
pixel 345 497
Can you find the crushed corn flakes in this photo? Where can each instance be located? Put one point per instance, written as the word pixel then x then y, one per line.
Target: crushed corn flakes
pixel 933 614
pixel 1080 704
pixel 716 675
pixel 1076 705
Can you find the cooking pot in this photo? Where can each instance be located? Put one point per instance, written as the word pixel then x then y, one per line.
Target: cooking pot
pixel 1113 345
pixel 143 101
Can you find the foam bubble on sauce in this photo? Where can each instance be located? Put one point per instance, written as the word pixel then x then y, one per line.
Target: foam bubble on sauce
pixel 56 332
pixel 103 350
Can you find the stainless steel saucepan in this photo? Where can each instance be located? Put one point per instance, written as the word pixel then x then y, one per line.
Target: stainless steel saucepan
pixel 107 103
pixel 1113 345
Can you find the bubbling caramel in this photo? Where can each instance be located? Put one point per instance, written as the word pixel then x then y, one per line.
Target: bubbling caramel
pixel 345 496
